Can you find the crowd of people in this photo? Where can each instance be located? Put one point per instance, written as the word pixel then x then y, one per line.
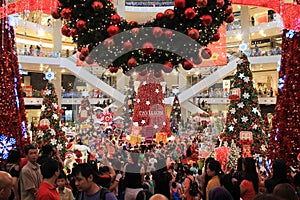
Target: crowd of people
pixel 142 172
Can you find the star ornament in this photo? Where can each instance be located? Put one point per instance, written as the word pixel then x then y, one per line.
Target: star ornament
pixel 148 103
pixel 55 116
pixel 241 76
pixel 246 95
pixel 157 91
pixel 241 105
pixel 246 79
pixel 254 110
pixel 232 110
pixel 244 119
pixel 231 128
pixel 49 75
pixel 48 92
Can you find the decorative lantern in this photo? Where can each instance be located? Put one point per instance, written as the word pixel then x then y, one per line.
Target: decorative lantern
pixel 235 94
pixel 246 140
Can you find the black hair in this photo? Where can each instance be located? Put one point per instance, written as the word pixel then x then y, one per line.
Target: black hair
pixel 279 170
pixel 14 156
pixel 250 172
pixel 215 165
pixel 49 168
pixel 47 149
pixel 143 195
pixel 28 147
pixel 62 175
pixel 85 170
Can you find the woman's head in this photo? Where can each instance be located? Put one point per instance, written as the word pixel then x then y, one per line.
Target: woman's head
pixel 214 168
pixel 279 169
pixel 219 193
pixel 285 192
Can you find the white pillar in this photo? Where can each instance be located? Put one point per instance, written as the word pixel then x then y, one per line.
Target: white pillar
pixel 57 36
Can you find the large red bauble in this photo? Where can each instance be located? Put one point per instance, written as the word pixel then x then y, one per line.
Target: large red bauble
pixel 81 57
pixel 109 43
pixel 135 31
pixel 157 73
pixel 159 16
pixel 230 18
pixel 169 13
pixel 133 23
pixel 179 3
pixel 115 19
pixel 81 24
pixel 113 69
pixel 219 3
pixel 197 60
pixel 206 20
pixel 187 65
pixel 66 13
pixel 216 36
pixel 73 32
pixel 168 34
pixel 65 31
pixel 113 30
pixel 228 10
pixel 157 32
pixel 55 14
pixel 131 63
pixel 85 51
pixel 193 33
pixel 97 6
pixel 189 13
pixel 206 53
pixel 89 60
pixel 148 48
pixel 168 67
pixel 127 46
pixel 201 3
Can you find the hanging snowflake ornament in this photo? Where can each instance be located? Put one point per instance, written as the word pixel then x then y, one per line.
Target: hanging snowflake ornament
pixel 6 145
pixel 52 131
pixel 243 47
pixel 231 128
pixel 254 110
pixel 232 110
pixel 290 34
pixel 241 76
pixel 148 103
pixel 49 75
pixel 263 148
pixel 157 91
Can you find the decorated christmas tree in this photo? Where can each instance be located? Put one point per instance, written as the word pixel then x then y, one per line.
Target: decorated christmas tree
pixel 244 123
pixel 233 156
pixel 175 117
pixel 13 121
pixel 50 131
pixel 285 132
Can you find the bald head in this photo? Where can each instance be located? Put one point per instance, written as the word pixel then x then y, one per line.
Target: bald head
pixel 6 183
pixel 158 197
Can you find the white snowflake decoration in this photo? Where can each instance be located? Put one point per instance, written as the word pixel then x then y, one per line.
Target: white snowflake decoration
pixel 143 122
pixel 241 76
pixel 232 110
pixel 243 47
pixel 263 148
pixel 6 145
pixel 55 116
pixel 48 92
pixel 244 119
pixel 155 126
pixel 148 103
pixel 43 107
pixel 53 141
pixel 85 93
pixel 246 79
pixel 157 91
pixel 49 75
pixel 246 95
pixel 40 134
pixel 231 128
pixel 240 105
pixel 59 147
pixel 52 131
pixel 55 105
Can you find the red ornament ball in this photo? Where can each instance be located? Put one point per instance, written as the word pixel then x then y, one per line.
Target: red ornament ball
pixel 206 20
pixel 113 30
pixel 97 6
pixel 81 57
pixel 159 16
pixel 135 31
pixel 157 32
pixel 109 43
pixel 216 36
pixel 201 3
pixel 168 34
pixel 115 19
pixel 219 3
pixel 228 10
pixel 132 63
pixel 168 67
pixel 206 53
pixel 85 51
pixel 169 13
pixel 81 24
pixel 65 31
pixel 66 13
pixel 230 18
pixel 113 69
pixel 55 14
pixel 189 13
pixel 127 46
pixel 179 3
pixel 157 73
pixel 89 60
pixel 187 65
pixel 148 48
pixel 193 33
pixel 197 60
pixel 133 23
pixel 73 32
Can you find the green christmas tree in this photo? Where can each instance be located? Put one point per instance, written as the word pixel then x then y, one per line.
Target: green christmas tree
pixel 233 156
pixel 244 112
pixel 50 131
pixel 175 117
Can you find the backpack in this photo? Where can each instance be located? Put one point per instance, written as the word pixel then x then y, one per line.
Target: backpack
pixel 175 195
pixel 193 191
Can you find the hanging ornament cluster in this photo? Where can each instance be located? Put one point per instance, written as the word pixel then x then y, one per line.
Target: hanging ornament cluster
pixel 95 27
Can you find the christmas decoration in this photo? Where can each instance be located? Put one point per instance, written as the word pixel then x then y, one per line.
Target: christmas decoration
pixel 243 114
pixel 175 117
pixel 129 104
pixel 95 21
pixel 235 94
pixel 13 121
pixel 246 139
pixel 50 119
pixel 285 133
pixel 233 156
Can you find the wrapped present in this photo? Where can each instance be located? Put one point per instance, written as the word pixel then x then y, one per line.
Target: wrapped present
pixel 135 139
pixel 161 137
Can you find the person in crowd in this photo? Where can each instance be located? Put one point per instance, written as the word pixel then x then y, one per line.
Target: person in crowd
pixel 175 192
pixel 231 184
pixel 25 50
pixel 143 195
pixel 133 176
pixel 158 197
pixel 30 176
pixel 238 174
pixel 249 186
pixel 49 152
pixel 187 185
pixel 31 50
pixel 38 50
pixel 47 190
pixel 64 192
pixel 67 53
pixel 214 171
pixel 285 191
pixel 279 175
pixel 205 178
pixel 85 181
pixel 219 193
pixel 6 185
pixel 297 183
pixel 162 179
pixel 265 196
pixel 12 166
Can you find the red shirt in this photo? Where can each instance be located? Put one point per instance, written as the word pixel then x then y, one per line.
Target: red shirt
pixel 47 192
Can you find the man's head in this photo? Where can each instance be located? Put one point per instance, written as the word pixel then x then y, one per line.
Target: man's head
pixel 31 153
pixel 84 176
pixel 6 184
pixel 61 180
pixel 50 169
pixel 158 197
pixel 47 150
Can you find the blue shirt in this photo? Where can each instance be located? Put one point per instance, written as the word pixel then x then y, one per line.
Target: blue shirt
pixel 96 196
